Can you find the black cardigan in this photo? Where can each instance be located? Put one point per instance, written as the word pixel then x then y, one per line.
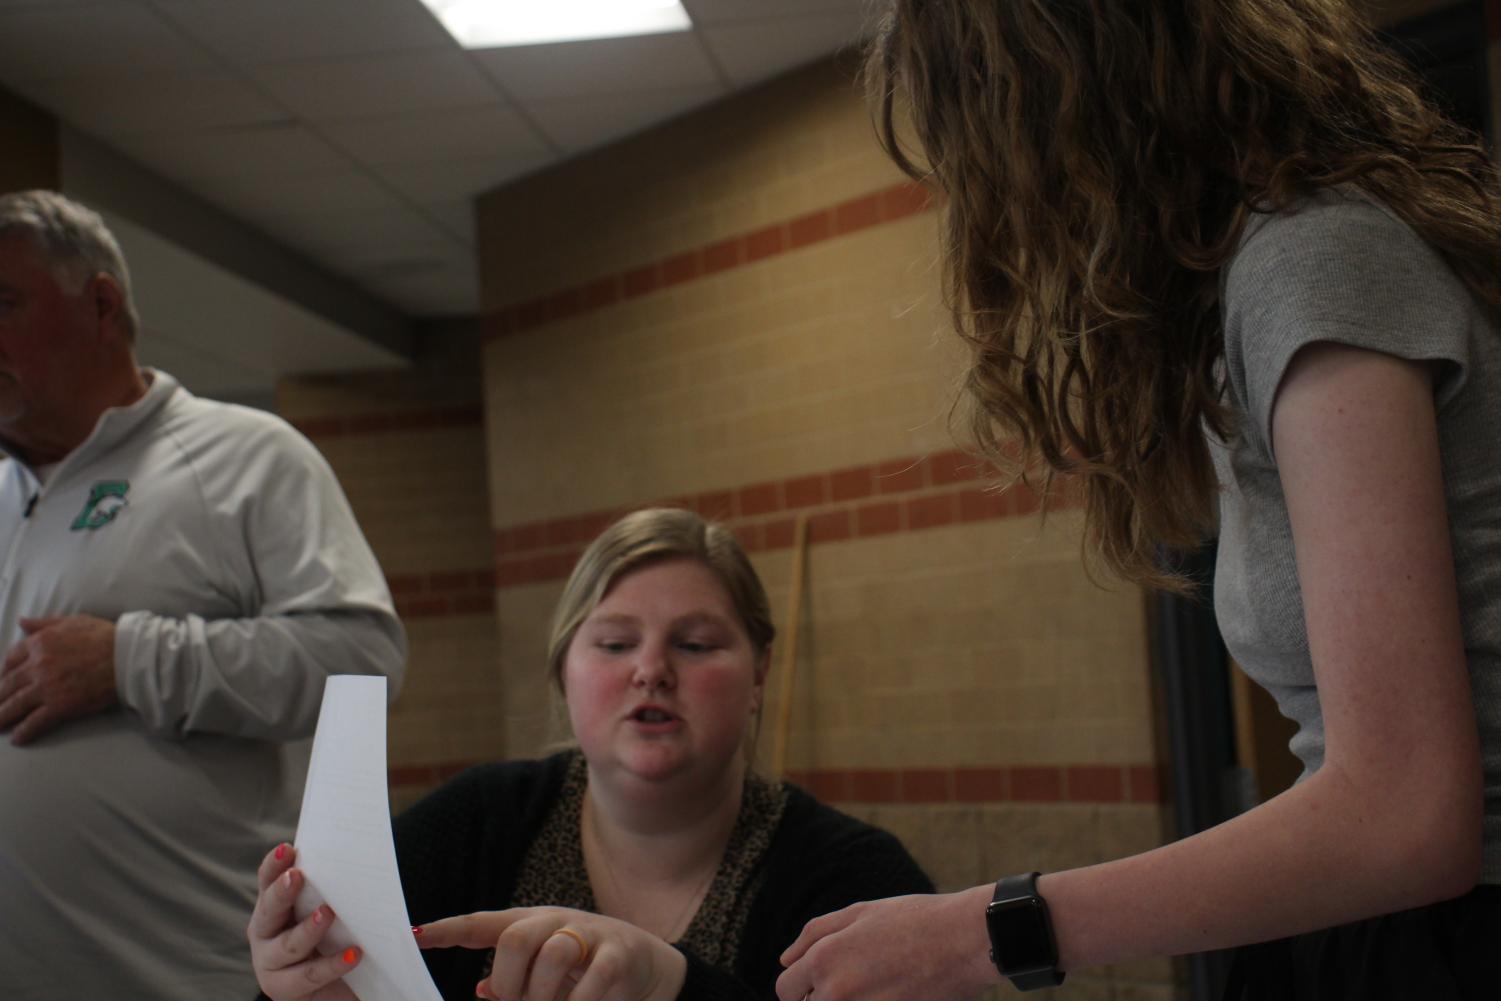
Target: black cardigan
pixel 460 850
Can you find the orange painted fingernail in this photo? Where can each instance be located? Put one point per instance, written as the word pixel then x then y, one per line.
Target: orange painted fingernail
pixel 480 990
pixel 417 931
pixel 350 955
pixel 281 852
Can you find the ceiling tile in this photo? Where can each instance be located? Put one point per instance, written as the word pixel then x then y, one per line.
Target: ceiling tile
pixel 496 131
pixel 584 124
pixel 601 67
pixel 718 11
pixel 457 180
pixel 356 131
pixel 377 86
pixel 753 51
pixel 100 39
pixel 259 32
pixel 122 105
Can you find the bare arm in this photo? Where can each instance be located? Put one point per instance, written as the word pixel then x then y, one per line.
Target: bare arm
pixel 1393 818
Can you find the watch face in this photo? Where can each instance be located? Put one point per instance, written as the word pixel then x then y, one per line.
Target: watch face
pixel 1019 935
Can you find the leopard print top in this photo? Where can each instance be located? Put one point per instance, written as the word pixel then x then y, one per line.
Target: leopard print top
pixel 553 872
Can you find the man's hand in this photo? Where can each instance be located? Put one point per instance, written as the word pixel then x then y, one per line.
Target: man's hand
pixel 64 668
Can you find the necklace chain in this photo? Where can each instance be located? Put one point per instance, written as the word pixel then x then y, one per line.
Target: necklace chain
pixel 684 917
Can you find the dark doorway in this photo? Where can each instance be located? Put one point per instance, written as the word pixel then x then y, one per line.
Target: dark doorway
pixel 1447 48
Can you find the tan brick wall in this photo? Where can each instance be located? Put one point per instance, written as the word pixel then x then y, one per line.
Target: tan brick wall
pixel 966 645
pixel 804 363
pixel 740 311
pixel 408 448
pixel 419 494
pixel 747 162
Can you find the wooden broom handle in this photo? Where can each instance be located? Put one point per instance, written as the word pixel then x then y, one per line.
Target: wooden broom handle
pixel 789 656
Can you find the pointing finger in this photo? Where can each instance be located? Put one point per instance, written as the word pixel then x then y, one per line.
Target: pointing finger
pixel 469 931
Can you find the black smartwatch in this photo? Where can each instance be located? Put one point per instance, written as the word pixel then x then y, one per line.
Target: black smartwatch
pixel 1022 945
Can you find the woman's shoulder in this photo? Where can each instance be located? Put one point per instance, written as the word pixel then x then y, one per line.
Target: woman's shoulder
pixel 1327 229
pixel 1338 265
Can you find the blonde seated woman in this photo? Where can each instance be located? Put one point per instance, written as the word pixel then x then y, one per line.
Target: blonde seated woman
pixel 651 862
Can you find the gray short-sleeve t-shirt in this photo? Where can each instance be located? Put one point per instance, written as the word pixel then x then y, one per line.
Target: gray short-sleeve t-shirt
pixel 1342 268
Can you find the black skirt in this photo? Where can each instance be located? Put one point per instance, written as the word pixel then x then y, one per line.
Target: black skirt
pixel 1450 951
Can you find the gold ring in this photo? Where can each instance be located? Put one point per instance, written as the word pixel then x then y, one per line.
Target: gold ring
pixel 582 944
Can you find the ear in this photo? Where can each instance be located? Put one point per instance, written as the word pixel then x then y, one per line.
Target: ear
pixel 107 300
pixel 763 668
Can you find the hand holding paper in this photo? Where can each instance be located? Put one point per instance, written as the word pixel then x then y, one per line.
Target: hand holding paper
pixel 284 952
pixel 345 860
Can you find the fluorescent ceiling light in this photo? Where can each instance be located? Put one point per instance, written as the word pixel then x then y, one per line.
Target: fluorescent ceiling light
pixel 483 24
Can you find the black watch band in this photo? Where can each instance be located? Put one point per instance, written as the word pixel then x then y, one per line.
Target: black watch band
pixel 1022 945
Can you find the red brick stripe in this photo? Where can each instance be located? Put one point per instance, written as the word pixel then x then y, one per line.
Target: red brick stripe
pixel 900 495
pixel 1094 783
pixel 386 423
pixel 878 207
pixel 429 595
pixel 1099 783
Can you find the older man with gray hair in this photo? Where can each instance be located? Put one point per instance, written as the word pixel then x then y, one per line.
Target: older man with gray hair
pixel 178 579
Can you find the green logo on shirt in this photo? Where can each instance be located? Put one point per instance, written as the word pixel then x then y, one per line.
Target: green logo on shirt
pixel 106 498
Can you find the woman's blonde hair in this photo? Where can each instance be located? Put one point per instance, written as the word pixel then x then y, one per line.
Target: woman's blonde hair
pixel 648 536
pixel 1100 160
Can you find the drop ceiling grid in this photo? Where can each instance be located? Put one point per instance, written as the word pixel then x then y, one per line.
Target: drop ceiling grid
pixel 335 123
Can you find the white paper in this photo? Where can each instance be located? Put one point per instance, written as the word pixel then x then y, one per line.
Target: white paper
pixel 344 845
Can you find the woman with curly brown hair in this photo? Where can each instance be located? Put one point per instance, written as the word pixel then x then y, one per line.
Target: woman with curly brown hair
pixel 1219 262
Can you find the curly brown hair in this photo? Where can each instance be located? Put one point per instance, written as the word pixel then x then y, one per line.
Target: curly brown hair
pixel 1100 160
